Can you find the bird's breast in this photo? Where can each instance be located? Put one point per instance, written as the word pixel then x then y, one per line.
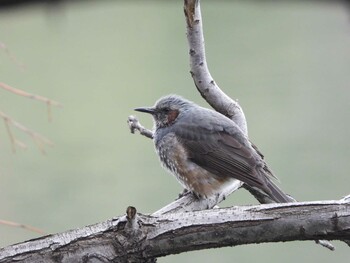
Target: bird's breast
pixel 174 157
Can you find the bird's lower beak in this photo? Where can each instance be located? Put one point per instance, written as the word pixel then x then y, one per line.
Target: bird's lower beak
pixel 149 110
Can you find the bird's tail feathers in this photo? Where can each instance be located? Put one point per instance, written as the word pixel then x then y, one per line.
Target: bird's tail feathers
pixel 276 194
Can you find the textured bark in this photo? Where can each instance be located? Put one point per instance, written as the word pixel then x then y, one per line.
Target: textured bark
pixel 142 238
pixel 203 80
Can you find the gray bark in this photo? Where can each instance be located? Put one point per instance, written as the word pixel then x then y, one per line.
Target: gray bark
pixel 203 80
pixel 142 238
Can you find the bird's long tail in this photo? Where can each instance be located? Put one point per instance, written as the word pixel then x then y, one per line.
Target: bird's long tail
pixel 276 194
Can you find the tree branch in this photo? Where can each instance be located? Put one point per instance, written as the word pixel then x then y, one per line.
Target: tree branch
pixel 40 140
pixel 11 56
pixel 203 80
pixel 142 238
pixel 24 226
pixel 134 124
pixel 23 93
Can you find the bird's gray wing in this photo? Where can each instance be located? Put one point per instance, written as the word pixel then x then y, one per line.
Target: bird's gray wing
pixel 222 154
pixel 226 152
pixel 266 168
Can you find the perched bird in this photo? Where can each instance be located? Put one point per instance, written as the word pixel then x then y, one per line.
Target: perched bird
pixel 206 151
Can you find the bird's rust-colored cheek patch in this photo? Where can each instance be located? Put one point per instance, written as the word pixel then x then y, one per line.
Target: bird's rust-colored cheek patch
pixel 172 115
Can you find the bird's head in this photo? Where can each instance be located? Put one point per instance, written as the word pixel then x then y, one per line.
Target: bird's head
pixel 167 110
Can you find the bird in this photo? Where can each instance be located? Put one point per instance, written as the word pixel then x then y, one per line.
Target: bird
pixel 207 151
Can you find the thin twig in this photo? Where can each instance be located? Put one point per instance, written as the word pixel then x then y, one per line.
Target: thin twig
pixel 27 227
pixel 134 124
pixel 11 56
pixel 10 134
pixel 29 95
pixel 39 139
pixel 20 92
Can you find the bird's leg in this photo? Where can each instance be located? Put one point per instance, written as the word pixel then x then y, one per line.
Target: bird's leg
pixel 183 193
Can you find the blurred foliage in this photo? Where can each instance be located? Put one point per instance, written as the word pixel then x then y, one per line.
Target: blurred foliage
pixel 287 63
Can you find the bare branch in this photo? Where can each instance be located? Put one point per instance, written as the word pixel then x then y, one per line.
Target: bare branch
pixel 203 80
pixel 189 202
pixel 39 139
pixel 142 238
pixel 11 56
pixel 19 92
pixel 346 199
pixel 134 124
pixel 29 95
pixel 19 225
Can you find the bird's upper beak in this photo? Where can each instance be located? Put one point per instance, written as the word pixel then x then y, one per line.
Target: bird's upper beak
pixel 146 110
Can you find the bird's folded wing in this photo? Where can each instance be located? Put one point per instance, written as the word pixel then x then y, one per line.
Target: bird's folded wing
pixel 223 155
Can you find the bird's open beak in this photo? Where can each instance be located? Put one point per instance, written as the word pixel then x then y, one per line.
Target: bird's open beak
pixel 149 110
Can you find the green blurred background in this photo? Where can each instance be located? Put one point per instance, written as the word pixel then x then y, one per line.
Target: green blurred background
pixel 287 62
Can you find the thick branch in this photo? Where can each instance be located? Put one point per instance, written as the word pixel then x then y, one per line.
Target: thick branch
pixel 122 239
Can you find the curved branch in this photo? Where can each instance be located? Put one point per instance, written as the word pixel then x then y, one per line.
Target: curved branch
pixel 203 80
